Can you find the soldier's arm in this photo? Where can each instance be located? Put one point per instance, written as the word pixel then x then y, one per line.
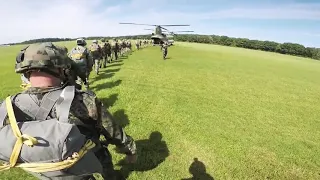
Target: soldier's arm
pixel 89 60
pixel 113 132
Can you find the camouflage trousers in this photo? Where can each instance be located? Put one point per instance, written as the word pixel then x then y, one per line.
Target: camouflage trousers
pixel 84 79
pixel 106 59
pixel 97 65
pixel 115 55
pixel 164 52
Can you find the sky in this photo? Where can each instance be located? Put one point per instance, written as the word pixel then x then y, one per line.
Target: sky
pixel 296 21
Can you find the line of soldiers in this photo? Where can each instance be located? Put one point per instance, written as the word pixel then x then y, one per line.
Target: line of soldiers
pixel 97 55
pixel 50 74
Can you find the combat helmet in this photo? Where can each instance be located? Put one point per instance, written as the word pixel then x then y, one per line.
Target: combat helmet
pixel 81 42
pixel 42 57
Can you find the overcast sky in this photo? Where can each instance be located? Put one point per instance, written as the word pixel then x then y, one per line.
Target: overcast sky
pixel 277 20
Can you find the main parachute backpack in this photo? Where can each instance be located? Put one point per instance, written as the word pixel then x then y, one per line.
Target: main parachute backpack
pixel 78 55
pixel 52 147
pixel 94 49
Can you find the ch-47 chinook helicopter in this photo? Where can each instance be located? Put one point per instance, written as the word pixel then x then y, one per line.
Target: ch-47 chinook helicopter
pixel 159 36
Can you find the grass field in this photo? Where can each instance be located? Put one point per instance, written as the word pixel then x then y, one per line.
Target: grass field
pixel 243 114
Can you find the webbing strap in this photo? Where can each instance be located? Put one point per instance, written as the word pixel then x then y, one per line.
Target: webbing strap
pixel 21 138
pixel 64 103
pixel 47 104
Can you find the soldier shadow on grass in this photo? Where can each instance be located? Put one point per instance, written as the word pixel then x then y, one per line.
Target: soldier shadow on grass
pixel 123 57
pixel 103 75
pixel 106 85
pixel 121 117
pixel 106 73
pixel 115 63
pixel 198 171
pixel 150 152
pixel 109 102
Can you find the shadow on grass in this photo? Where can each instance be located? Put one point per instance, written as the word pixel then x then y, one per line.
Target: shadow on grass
pixel 109 102
pixel 123 57
pixel 151 153
pixel 103 75
pixel 107 85
pixel 115 63
pixel 198 171
pixel 122 118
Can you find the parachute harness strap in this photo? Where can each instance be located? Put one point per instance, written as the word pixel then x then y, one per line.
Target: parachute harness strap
pixel 31 141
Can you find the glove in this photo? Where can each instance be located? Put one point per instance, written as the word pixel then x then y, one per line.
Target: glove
pixel 131 159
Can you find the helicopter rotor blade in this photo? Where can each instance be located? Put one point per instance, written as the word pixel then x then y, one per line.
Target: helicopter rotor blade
pixel 164 28
pixel 183 31
pixel 175 25
pixel 139 24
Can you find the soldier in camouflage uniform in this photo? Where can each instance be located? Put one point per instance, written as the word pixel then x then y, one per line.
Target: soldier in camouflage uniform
pixel 44 65
pixel 129 46
pixel 164 48
pixel 137 45
pixel 124 47
pixel 116 49
pixel 83 61
pixel 106 50
pixel 96 53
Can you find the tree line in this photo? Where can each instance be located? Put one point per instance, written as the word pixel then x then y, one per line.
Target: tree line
pixel 270 46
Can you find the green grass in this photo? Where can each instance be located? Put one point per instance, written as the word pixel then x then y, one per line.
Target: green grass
pixel 244 114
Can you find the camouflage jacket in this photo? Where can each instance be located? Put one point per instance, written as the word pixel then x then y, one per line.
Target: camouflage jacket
pixel 91 117
pixel 106 48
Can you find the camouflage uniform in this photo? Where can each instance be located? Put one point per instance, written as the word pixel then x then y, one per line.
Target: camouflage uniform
pixel 116 49
pixel 87 111
pixel 137 45
pixel 106 50
pixel 129 46
pixel 164 48
pixel 82 63
pixel 124 47
pixel 96 55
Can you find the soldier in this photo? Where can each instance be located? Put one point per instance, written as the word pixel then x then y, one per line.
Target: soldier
pixel 96 53
pixel 137 44
pixel 164 48
pixel 124 47
pixel 107 47
pixel 116 49
pixel 104 54
pixel 82 58
pixel 44 67
pixel 129 46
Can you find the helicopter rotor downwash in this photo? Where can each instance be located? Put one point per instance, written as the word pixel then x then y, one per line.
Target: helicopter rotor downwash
pixel 159 36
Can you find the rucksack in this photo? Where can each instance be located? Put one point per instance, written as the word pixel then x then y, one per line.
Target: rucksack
pixel 40 144
pixel 94 49
pixel 79 55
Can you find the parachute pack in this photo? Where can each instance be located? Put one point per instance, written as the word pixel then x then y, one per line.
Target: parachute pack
pixel 77 53
pixel 39 144
pixel 94 49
